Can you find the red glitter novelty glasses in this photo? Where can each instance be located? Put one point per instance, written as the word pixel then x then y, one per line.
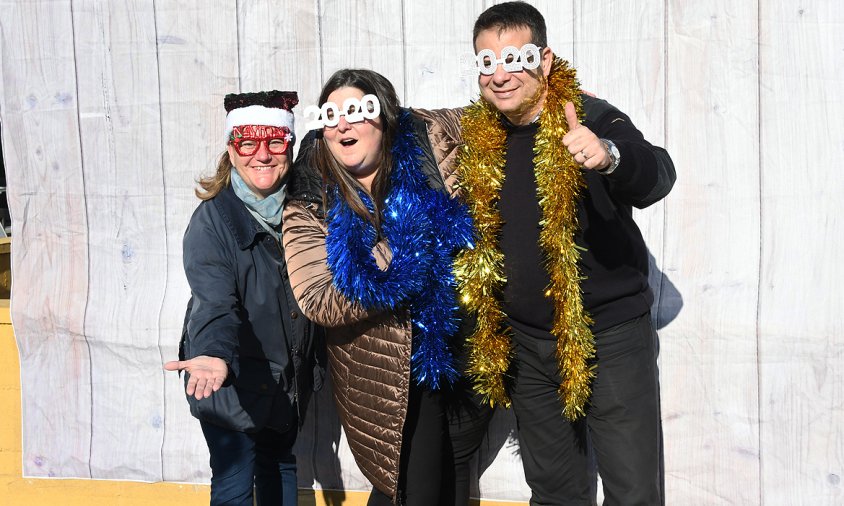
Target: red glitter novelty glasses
pixel 247 139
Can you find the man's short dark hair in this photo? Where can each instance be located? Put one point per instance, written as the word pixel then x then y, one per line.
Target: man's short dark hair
pixel 510 15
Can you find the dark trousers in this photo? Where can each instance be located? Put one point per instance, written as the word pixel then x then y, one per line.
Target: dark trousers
pixel 468 419
pixel 421 476
pixel 239 460
pixel 623 420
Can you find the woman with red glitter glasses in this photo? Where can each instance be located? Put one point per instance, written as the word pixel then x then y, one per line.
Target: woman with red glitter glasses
pixel 248 354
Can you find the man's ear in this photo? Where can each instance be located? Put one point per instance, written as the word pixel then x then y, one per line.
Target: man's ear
pixel 547 60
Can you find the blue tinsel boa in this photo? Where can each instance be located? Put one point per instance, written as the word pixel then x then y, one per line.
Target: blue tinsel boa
pixel 424 228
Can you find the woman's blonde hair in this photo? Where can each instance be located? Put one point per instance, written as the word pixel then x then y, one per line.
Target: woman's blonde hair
pixel 211 186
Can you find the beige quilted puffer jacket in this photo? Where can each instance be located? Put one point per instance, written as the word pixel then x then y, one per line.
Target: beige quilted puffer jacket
pixel 368 352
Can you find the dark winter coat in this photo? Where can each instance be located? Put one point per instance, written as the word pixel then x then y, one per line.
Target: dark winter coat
pixel 242 310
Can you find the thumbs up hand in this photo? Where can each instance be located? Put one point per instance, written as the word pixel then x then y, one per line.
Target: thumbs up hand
pixel 588 150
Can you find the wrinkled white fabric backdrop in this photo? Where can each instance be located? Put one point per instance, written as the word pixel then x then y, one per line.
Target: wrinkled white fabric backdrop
pixel 111 110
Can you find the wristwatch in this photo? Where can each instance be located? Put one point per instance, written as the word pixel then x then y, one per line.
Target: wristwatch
pixel 615 157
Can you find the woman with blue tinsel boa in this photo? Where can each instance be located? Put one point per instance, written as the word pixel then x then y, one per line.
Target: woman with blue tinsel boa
pixel 369 236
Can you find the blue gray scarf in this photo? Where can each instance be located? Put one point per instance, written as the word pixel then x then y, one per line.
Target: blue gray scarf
pixel 268 210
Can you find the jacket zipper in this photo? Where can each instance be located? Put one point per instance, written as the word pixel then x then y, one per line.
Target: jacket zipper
pixel 295 345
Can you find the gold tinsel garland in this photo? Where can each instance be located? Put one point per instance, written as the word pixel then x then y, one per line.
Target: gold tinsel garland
pixel 479 270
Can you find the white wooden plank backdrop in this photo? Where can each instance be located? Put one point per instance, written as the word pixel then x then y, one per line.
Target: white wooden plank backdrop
pixel 45 168
pixel 111 110
pixel 801 387
pixel 710 354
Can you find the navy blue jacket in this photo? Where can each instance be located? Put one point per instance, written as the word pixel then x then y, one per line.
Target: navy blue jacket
pixel 242 310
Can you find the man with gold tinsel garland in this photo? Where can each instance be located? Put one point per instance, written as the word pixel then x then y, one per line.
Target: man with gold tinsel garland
pixel 557 279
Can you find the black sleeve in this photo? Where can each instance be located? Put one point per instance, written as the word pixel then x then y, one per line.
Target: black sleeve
pixel 646 173
pixel 305 180
pixel 428 162
pixel 214 319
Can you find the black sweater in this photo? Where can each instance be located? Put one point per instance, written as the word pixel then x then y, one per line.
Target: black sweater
pixel 615 260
